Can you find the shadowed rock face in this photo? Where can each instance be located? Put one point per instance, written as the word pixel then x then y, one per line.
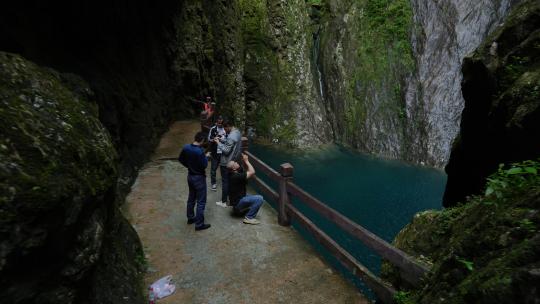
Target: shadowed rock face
pixel 58 170
pixel 123 50
pixel 501 119
pixel 144 63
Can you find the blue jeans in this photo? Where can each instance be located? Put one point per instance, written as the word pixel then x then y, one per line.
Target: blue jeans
pixel 197 195
pixel 224 183
pixel 215 163
pixel 252 203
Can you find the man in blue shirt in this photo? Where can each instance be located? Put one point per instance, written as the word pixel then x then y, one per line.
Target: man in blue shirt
pixel 193 158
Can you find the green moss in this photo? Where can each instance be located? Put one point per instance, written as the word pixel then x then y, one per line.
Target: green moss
pixel 380 37
pixel 482 249
pixel 271 91
pixel 55 150
pixel 315 2
pixel 254 23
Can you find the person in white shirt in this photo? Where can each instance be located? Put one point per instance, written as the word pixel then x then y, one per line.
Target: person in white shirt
pixel 217 131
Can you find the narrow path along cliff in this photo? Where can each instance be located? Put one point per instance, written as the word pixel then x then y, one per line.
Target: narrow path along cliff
pixel 231 262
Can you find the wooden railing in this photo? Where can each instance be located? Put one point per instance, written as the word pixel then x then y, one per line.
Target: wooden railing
pixel 411 270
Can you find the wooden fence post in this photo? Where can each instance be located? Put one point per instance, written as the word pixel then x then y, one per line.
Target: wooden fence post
pixel 286 170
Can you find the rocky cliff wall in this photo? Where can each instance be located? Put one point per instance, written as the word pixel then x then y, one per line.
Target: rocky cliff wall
pixel 444 33
pixel 144 63
pixel 501 118
pixel 484 248
pixel 126 53
pixel 282 103
pixel 365 58
pixel 58 170
pixel 391 72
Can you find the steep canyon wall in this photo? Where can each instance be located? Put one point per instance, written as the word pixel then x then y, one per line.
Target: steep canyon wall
pixel 380 76
pixel 485 248
pixel 391 72
pixel 443 34
pixel 136 67
pixel 282 103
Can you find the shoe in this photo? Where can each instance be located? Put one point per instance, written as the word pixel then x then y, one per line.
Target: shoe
pixel 251 221
pixel 190 221
pixel 221 204
pixel 203 227
pixel 214 187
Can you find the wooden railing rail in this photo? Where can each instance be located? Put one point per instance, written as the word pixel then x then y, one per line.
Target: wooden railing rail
pixel 260 165
pixel 384 291
pixel 411 270
pixel 264 188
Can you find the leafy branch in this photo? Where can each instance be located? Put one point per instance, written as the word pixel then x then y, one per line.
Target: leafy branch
pixel 514 178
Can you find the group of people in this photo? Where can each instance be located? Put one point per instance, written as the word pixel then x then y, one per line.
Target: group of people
pixel 225 151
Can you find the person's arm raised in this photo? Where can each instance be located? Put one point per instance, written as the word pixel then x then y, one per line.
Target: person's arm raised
pixel 250 170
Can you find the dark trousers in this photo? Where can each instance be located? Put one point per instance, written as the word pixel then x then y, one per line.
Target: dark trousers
pixel 215 163
pixel 224 182
pixel 197 195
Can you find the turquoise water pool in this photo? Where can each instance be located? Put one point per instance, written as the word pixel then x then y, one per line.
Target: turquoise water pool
pixel 381 195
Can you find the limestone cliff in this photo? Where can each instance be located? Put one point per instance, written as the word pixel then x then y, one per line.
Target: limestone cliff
pixel 485 247
pixel 365 59
pixel 390 72
pixel 380 76
pixel 444 33
pixel 134 58
pixel 501 119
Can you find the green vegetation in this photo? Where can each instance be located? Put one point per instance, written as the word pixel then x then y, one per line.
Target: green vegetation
pixel 384 58
pixel 390 21
pixel 467 264
pixel 141 261
pixel 403 297
pixel 269 76
pixel 506 181
pixel 513 69
pixel 254 22
pixel 314 2
pixel 482 249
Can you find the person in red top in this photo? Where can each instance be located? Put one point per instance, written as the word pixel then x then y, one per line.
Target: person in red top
pixel 207 115
pixel 206 104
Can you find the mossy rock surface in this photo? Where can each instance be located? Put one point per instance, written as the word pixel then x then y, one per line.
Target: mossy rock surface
pixel 480 252
pixel 58 170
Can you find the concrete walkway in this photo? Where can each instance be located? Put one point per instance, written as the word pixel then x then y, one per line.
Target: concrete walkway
pixel 231 262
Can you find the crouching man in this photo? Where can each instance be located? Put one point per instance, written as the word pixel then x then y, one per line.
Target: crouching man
pixel 243 204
